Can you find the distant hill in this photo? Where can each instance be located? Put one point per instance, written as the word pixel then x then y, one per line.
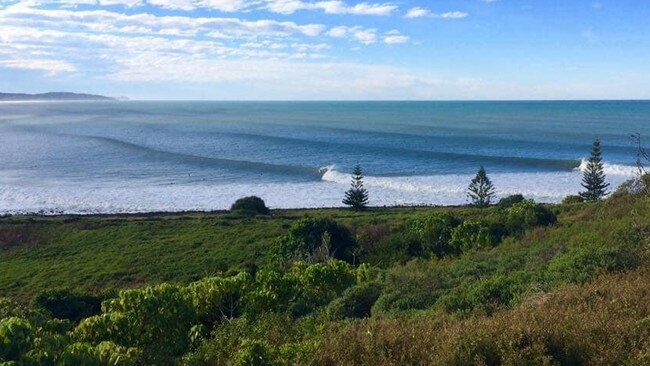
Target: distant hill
pixel 51 96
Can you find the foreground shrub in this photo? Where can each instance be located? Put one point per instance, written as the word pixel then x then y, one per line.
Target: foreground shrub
pixel 581 262
pixel 602 323
pixel 69 304
pixel 252 205
pixel 271 339
pixel 396 247
pixel 470 235
pixel 528 214
pixel 488 294
pixel 435 233
pixel 415 285
pixel 104 354
pixel 155 319
pixel 218 298
pixel 16 337
pixel 507 202
pixel 355 302
pixel 320 283
pixel 316 240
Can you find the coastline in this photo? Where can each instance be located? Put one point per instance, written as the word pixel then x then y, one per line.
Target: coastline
pixel 274 212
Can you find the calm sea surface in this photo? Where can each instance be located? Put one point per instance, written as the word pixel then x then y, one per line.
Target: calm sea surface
pixel 104 157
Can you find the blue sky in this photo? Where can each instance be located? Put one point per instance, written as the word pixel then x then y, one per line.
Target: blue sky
pixel 328 49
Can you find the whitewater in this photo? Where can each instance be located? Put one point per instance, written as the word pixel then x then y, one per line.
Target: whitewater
pixel 135 157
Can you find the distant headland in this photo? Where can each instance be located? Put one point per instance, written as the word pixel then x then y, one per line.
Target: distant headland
pixel 52 96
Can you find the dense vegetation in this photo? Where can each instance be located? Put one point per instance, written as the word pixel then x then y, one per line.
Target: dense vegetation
pixel 517 283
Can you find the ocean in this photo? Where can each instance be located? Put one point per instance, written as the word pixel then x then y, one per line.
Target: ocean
pixel 131 156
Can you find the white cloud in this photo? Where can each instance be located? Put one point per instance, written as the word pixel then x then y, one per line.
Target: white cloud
pixel 224 5
pixel 395 37
pixel 419 12
pixel 144 23
pixel 338 32
pixel 364 35
pixel 329 7
pixel 112 45
pixel 231 6
pixel 173 4
pixel 49 66
pixel 451 15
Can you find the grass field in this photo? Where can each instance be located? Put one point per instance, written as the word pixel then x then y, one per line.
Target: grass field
pixel 104 252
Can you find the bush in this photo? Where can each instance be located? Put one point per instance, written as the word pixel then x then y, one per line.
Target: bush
pixel 397 247
pixel 571 200
pixel 488 294
pixel 435 233
pixel 272 292
pixel 528 214
pixel 582 262
pixel 320 283
pixel 356 302
pixel 155 319
pixel 252 205
pixel 369 236
pixel 317 240
pixel 507 202
pixel 217 298
pixel 16 337
pixel 68 304
pixel 255 353
pixel 470 235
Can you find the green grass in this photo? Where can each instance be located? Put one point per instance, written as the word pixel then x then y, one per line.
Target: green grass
pixel 528 297
pixel 108 252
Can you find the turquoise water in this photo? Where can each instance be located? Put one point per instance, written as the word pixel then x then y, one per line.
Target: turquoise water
pixel 88 157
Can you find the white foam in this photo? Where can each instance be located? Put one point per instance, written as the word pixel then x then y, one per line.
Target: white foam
pixel 50 197
pixel 612 169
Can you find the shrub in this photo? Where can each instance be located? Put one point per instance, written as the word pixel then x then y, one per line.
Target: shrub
pixel 155 319
pixel 396 247
pixel 355 302
pixel 252 205
pixel 571 200
pixel 320 283
pixel 216 298
pixel 435 233
pixel 415 285
pixel 528 214
pixel 368 238
pixel 507 202
pixel 604 322
pixel 582 262
pixel 254 353
pixel 469 235
pixel 104 354
pixel 16 337
pixel 307 236
pixel 272 292
pixel 488 294
pixel 68 304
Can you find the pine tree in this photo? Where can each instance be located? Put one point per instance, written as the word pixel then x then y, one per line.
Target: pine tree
pixel 593 180
pixel 481 189
pixel 357 196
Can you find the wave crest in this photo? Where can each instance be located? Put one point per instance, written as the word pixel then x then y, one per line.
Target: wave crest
pixel 613 169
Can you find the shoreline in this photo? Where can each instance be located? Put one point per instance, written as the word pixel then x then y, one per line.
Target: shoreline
pixel 150 214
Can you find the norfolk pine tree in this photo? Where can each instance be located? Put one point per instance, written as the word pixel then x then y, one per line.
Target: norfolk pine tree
pixel 481 189
pixel 357 196
pixel 593 180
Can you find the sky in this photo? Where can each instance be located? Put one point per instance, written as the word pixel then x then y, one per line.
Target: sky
pixel 328 49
